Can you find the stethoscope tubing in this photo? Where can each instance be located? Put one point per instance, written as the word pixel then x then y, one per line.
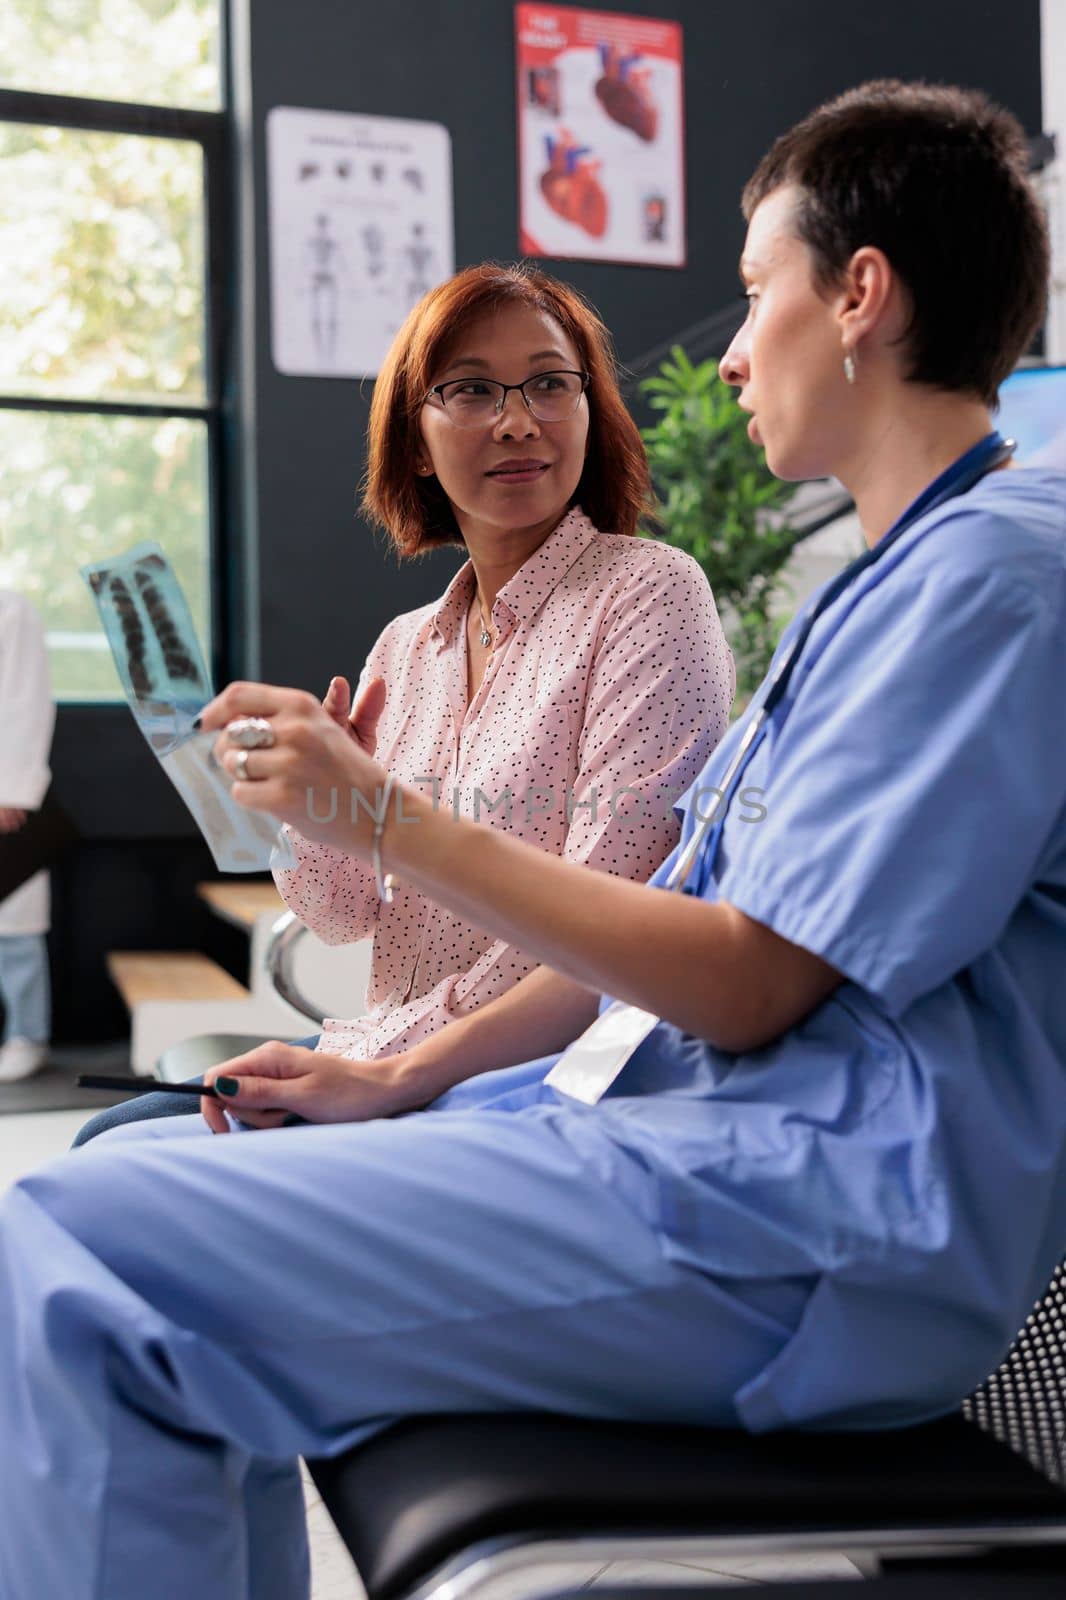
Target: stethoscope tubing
pixel 984 457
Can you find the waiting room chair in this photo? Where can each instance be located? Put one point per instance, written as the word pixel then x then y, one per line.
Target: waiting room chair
pixel 453 1507
pixel 191 1057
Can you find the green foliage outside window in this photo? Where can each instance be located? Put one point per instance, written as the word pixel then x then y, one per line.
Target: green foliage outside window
pixel 102 298
pixel 77 488
pixel 157 52
pixel 108 304
pixel 718 500
pixel 108 233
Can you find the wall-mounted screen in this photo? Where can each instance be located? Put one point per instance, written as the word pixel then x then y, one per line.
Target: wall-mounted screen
pixel 1032 409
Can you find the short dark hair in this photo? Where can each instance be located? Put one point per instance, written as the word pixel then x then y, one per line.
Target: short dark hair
pixel 615 487
pixel 937 178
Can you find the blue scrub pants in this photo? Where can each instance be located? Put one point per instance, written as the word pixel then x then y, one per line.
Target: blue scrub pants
pixel 182 1316
pixel 24 987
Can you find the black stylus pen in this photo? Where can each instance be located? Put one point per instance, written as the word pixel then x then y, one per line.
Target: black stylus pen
pixel 132 1084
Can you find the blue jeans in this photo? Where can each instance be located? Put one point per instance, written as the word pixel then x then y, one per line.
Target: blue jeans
pixel 159 1104
pixel 24 987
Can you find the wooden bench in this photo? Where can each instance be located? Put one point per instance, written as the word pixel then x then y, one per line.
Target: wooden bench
pixel 141 975
pixel 242 904
pixel 254 907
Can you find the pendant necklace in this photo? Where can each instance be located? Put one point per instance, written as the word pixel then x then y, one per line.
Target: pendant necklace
pixel 485 637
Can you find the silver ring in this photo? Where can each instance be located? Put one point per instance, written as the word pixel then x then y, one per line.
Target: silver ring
pixel 240 768
pixel 250 733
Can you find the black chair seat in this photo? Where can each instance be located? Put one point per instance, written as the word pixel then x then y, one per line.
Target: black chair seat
pixel 190 1058
pixel 1006 1585
pixel 431 1487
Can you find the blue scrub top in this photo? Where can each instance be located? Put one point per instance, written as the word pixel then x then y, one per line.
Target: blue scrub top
pixel 888 1177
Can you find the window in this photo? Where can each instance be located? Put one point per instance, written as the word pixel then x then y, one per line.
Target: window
pixel 113 220
pixel 155 52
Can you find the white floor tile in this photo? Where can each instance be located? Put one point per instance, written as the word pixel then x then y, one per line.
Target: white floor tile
pixel 788 1568
pixel 556 1577
pixel 333 1577
pixel 668 1574
pixel 33 1137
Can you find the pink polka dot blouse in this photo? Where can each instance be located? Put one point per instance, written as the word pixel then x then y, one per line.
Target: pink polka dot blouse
pixel 609 687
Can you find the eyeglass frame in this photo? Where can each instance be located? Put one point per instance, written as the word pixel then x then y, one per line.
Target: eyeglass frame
pixel 570 372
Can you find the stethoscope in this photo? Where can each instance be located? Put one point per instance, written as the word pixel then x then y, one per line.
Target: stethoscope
pixel 983 457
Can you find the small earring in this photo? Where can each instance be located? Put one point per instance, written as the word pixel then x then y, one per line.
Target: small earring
pixel 849 366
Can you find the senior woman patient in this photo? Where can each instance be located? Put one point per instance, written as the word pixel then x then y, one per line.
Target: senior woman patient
pixel 822 1178
pixel 568 685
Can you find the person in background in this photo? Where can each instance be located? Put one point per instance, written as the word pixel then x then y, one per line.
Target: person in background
pixel 566 688
pixel 27 718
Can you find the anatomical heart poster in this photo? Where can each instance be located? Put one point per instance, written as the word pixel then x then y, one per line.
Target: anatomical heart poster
pixel 601 161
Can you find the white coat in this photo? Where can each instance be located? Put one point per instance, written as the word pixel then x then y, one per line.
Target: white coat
pixel 27 718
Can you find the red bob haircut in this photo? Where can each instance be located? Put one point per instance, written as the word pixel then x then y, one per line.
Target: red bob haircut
pixel 614 490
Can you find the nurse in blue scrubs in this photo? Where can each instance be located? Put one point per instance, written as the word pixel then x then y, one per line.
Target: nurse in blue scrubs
pixel 809 1166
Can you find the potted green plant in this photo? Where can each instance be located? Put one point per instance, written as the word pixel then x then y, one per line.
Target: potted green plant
pixel 717 500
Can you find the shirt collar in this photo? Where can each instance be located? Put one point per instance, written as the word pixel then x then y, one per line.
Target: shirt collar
pixel 526 592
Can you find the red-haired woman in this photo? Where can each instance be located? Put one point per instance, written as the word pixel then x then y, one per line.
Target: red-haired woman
pixel 568 685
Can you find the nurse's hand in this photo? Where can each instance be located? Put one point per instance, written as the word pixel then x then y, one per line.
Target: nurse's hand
pixel 275 1079
pixel 11 819
pixel 314 775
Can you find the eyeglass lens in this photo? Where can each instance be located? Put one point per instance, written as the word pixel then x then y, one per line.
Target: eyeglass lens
pixel 551 396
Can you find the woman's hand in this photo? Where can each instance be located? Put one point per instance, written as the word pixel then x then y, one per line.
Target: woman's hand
pixel 315 775
pixel 277 1079
pixel 361 719
pixel 11 818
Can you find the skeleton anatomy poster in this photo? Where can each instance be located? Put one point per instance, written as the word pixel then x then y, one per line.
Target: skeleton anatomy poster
pixel 360 213
pixel 600 136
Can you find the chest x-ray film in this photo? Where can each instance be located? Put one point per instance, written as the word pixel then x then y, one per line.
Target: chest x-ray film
pixel 161 667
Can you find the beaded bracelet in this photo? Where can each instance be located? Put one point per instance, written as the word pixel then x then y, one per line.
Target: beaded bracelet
pixel 385 880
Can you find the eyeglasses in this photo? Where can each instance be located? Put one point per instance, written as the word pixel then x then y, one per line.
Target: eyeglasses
pixel 476 402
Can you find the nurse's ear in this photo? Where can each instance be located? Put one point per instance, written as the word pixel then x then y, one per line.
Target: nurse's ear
pixel 870 302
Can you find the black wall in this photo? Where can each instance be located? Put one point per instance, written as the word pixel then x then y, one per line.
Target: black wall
pixel 325 585
pixel 751 69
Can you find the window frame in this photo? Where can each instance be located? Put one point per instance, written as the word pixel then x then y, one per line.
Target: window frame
pixel 211 130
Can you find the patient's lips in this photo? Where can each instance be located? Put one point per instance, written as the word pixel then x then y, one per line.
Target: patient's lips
pixel 624 92
pixel 571 185
pixel 520 469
